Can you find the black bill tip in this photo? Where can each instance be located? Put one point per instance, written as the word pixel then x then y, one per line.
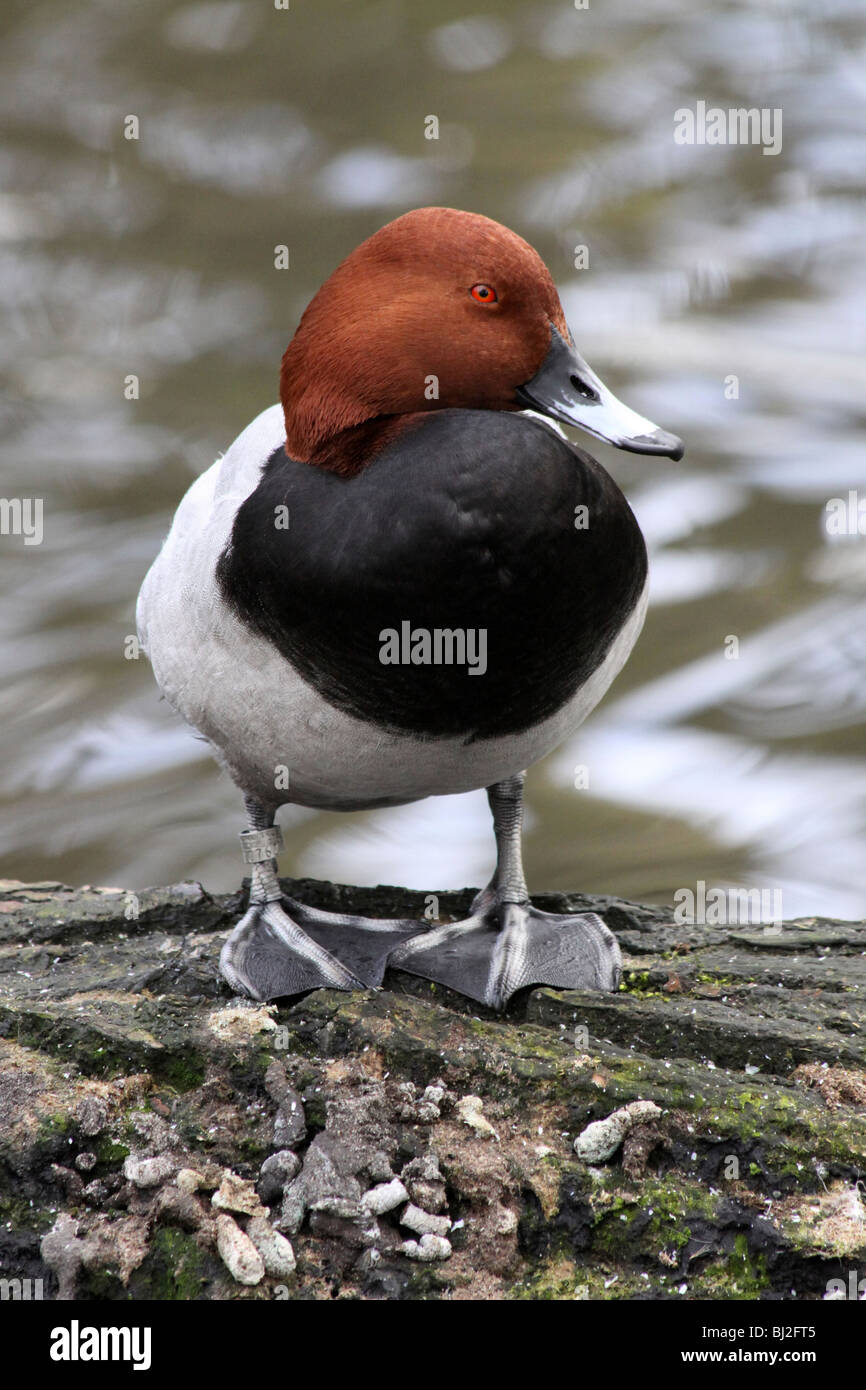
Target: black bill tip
pixel 656 442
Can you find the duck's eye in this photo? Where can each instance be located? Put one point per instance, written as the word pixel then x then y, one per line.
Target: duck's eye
pixel 483 294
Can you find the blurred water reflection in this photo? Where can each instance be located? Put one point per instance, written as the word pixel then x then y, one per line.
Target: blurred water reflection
pixel 155 257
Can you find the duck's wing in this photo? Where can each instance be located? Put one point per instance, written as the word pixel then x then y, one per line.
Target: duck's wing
pixel 204 519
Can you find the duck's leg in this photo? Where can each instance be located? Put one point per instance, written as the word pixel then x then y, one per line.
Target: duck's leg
pixel 270 954
pixel 507 943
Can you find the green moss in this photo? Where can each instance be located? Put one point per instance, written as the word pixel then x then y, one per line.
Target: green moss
pixel 427 1282
pixel 19 1214
pixel 53 1141
pixel 562 1280
pixel 630 1227
pixel 248 1070
pixel 109 1152
pixel 555 1281
pixel 103 1286
pixel 637 982
pixel 747 1273
pixel 315 1111
pixel 252 1149
pixel 174 1269
pixel 183 1073
pixel 54 1126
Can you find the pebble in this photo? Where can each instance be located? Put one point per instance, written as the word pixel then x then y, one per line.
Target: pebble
pixel 414 1219
pixel 425 1167
pixel 237 1194
pixel 290 1125
pixel 506 1221
pixel 148 1172
pixel 424 1111
pixel 188 1180
pixel 62 1251
pixel 420 1113
pixel 275 1250
pixel 430 1196
pixel 238 1253
pixel 91 1113
pixel 294 1208
pixel 425 1183
pixel 469 1109
pixel 428 1249
pixel 347 1208
pixel 276 1174
pixel 320 1185
pixel 385 1197
pixel 239 1023
pixel 276 1081
pixel 600 1140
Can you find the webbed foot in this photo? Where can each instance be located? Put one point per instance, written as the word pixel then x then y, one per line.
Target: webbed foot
pixel 271 953
pixel 505 946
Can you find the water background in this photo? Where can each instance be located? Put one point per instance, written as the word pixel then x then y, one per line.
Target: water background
pixel 155 257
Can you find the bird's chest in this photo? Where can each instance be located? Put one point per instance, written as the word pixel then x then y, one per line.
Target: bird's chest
pixel 446 598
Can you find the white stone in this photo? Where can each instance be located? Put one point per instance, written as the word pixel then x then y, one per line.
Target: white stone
pixel 423 1223
pixel 238 1253
pixel 237 1194
pixel 428 1249
pixel 469 1109
pixel 385 1197
pixel 148 1172
pixel 275 1250
pixel 600 1140
pixel 188 1180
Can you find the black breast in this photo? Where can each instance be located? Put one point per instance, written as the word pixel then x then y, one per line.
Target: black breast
pixel 464 525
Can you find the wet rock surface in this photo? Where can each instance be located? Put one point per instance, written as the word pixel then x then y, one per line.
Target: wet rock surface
pixel 160 1139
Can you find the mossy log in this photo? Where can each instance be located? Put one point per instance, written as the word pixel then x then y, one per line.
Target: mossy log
pixel 120 1044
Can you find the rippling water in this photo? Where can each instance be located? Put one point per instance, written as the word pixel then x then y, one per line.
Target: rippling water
pixel 155 258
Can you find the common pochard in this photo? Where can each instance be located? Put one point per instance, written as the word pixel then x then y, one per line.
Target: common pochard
pixel 403 582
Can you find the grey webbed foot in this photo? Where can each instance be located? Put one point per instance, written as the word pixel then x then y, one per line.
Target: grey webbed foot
pixel 505 946
pixel 506 943
pixel 271 953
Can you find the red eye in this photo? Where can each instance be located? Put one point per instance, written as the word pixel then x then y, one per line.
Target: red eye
pixel 483 294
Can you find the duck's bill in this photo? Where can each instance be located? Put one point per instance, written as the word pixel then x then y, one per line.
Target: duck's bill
pixel 566 388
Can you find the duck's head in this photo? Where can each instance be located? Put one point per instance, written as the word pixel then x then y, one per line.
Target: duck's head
pixel 438 309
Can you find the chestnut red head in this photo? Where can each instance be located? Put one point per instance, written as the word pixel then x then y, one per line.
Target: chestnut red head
pixel 440 308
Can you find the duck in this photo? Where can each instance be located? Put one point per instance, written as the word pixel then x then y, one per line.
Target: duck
pixel 405 581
